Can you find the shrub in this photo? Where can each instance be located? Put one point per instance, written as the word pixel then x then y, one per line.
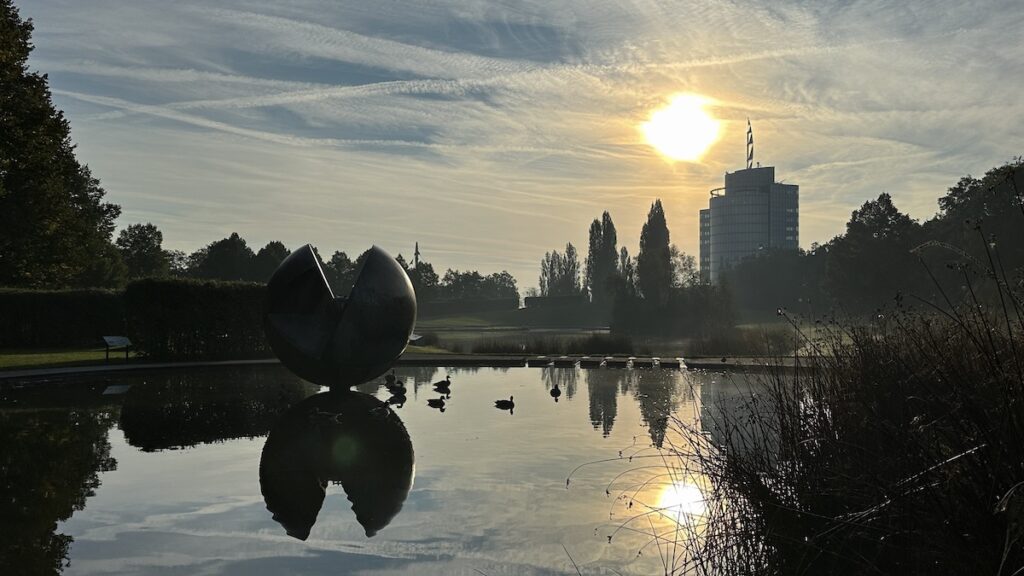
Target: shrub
pixel 696 311
pixel 592 344
pixel 179 319
pixel 53 318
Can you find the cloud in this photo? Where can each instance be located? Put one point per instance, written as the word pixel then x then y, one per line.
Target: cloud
pixel 496 130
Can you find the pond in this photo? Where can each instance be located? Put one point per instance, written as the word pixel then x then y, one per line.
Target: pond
pixel 161 473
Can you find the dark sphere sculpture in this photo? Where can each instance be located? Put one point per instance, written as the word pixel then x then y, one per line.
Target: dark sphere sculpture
pixel 344 341
pixel 337 436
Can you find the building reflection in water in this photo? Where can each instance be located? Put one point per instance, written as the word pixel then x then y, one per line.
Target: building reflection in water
pixel 340 437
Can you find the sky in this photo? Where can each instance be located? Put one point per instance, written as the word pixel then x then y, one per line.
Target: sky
pixel 493 131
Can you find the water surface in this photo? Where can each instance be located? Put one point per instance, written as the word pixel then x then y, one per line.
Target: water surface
pixel 160 475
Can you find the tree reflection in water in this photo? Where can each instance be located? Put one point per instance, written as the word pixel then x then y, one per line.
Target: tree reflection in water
pixel 186 409
pixel 50 465
pixel 602 390
pixel 565 378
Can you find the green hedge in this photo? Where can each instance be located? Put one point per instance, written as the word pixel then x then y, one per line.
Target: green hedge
pixel 57 318
pixel 179 319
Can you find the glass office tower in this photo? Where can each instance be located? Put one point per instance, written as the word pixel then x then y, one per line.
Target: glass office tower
pixel 751 213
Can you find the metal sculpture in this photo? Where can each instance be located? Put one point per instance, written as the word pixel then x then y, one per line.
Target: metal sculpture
pixel 339 341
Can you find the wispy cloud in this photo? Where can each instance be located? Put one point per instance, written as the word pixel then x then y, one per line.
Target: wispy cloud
pixel 494 130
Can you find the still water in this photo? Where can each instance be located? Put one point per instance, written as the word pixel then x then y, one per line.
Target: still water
pixel 161 474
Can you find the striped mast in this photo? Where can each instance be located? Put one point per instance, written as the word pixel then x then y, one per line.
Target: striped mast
pixel 750 145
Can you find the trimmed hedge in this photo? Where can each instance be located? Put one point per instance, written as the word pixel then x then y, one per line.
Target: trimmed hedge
pixel 56 318
pixel 181 319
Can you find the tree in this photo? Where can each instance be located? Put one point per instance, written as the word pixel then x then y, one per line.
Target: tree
pixel 872 262
pixel 105 269
pixel 267 260
pixel 602 257
pixel 425 281
pixel 991 207
pixel 654 263
pixel 684 268
pixel 53 221
pixel 458 285
pixel 879 219
pixel 227 259
pixel 627 273
pixel 177 262
pixel 141 247
pixel 560 274
pixel 340 272
pixel 500 285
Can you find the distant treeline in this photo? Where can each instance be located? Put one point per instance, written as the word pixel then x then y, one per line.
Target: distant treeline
pixel 138 253
pixel 57 232
pixel 886 257
pixel 656 293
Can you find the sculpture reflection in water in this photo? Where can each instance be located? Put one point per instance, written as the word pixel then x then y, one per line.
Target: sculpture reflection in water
pixel 339 436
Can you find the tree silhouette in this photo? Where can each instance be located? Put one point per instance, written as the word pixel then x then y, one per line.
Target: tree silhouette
pixel 560 273
pixel 602 259
pixel 267 260
pixel 227 259
pixel 872 262
pixel 141 247
pixel 654 262
pixel 425 281
pixel 340 272
pixel 53 221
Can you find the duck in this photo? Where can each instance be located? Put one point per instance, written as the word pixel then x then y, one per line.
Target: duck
pixel 556 392
pixel 436 403
pixel 444 385
pixel 505 404
pixel 389 379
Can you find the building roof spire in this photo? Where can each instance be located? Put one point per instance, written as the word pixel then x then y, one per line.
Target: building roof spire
pixel 750 145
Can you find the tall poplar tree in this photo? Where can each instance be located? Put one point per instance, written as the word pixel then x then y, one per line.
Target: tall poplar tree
pixel 654 262
pixel 602 258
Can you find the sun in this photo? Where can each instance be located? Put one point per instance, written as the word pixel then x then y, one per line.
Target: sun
pixel 683 130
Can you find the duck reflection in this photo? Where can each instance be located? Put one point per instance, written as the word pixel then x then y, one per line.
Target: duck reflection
pixel 342 437
pixel 397 400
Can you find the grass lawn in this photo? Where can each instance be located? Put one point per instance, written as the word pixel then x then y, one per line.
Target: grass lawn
pixel 17 358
